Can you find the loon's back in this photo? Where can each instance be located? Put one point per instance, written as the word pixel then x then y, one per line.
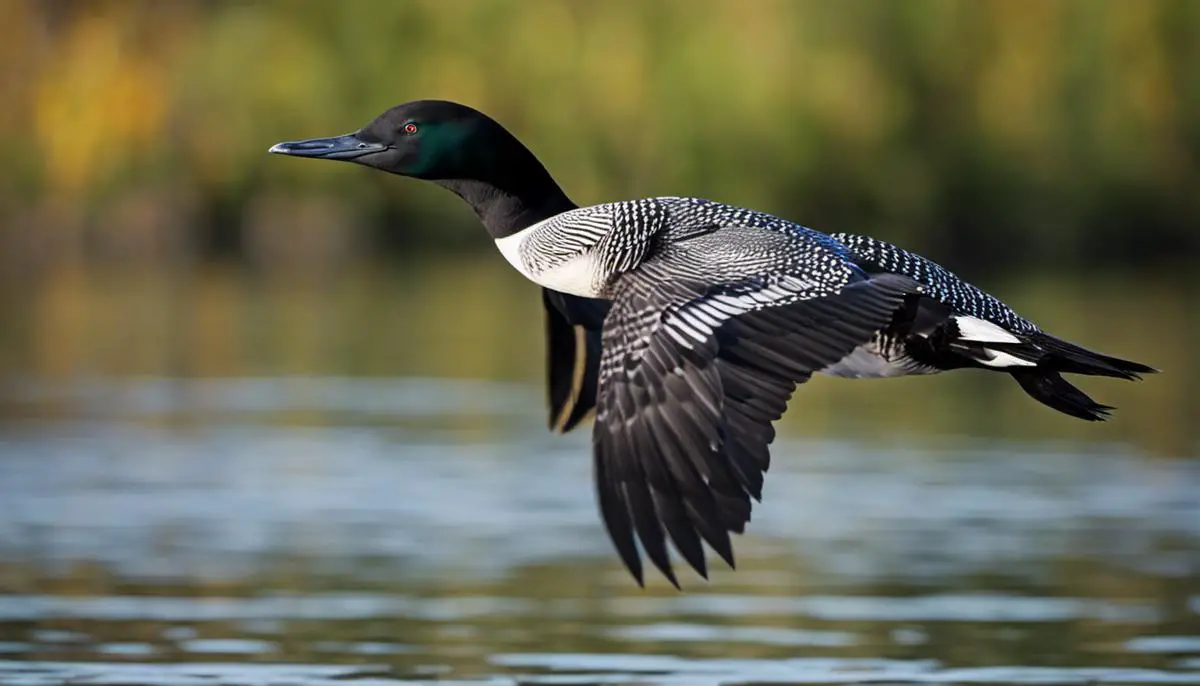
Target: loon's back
pixel 955 324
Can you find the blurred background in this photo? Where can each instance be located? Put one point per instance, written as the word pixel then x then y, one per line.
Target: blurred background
pixel 262 410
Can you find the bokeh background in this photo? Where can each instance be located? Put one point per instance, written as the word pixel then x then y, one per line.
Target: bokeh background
pixel 179 309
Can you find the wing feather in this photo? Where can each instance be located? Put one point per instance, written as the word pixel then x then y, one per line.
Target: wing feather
pixel 692 375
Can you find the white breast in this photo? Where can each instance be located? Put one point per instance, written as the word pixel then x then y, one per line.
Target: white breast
pixel 510 247
pixel 578 276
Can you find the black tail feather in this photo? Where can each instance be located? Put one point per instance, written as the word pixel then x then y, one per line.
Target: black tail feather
pixel 1049 388
pixel 1062 356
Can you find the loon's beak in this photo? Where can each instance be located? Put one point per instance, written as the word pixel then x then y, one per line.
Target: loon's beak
pixel 345 147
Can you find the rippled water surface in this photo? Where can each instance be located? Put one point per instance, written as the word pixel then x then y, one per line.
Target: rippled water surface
pixel 336 530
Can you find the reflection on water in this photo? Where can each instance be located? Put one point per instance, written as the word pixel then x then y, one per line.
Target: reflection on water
pixel 196 531
pixel 476 319
pixel 269 502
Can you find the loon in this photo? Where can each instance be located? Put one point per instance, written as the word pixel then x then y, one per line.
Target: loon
pixel 687 324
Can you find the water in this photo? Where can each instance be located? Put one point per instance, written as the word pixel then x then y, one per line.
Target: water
pixel 215 477
pixel 329 530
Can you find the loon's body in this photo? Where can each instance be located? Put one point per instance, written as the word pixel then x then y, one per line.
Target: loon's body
pixel 951 324
pixel 687 324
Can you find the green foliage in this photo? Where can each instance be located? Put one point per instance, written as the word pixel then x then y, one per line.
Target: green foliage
pixel 977 131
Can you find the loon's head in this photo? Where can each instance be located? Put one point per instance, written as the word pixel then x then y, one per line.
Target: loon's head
pixel 456 147
pixel 425 139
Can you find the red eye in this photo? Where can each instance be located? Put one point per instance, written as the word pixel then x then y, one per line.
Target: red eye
pixel 410 128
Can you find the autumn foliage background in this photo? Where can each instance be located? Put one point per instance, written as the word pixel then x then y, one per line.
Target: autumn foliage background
pixel 1000 134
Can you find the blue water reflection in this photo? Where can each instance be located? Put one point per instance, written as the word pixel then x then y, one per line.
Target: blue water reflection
pixel 180 532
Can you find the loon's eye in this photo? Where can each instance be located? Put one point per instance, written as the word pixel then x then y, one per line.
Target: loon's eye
pixel 409 129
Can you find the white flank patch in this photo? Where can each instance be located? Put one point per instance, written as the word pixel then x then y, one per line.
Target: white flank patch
pixel 979 330
pixel 1001 360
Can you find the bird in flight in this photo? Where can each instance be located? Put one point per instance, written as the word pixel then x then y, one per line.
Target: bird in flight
pixel 687 324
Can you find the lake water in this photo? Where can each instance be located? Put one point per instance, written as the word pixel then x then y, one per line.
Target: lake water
pixel 274 495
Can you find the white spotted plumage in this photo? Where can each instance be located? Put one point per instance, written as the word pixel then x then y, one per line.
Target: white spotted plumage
pixel 581 251
pixel 942 285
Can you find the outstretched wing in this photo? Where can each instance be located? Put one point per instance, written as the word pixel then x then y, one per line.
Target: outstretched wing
pixel 692 375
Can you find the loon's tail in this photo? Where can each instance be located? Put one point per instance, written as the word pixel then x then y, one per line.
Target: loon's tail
pixel 1045 384
pixel 1063 356
pixel 1049 388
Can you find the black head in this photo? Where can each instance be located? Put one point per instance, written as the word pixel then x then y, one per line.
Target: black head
pixel 456 146
pixel 426 139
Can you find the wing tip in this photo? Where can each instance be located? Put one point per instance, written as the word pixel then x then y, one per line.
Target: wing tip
pixel 633 564
pixel 671 577
pixel 637 575
pixel 727 556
